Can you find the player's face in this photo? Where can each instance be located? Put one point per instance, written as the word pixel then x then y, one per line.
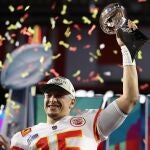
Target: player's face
pixel 57 104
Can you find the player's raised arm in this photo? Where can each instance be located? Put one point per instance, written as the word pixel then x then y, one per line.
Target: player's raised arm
pixel 116 112
pixel 130 78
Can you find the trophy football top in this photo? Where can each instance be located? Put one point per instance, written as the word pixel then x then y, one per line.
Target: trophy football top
pixel 112 18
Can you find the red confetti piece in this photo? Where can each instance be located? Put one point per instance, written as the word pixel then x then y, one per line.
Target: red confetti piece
pixel 79 37
pixel 76 26
pixel 53 71
pixel 25 32
pixel 24 17
pixel 87 46
pixel 91 29
pixel 73 49
pixel 20 7
pixel 144 86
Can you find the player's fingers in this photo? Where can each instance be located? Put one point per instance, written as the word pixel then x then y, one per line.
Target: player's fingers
pixel 132 25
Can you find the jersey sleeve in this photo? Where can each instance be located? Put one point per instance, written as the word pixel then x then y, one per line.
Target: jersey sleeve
pixel 109 119
pixel 18 143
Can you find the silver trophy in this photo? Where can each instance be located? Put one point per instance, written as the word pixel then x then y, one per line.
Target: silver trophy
pixel 113 19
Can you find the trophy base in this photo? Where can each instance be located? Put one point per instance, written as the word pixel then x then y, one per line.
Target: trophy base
pixel 134 40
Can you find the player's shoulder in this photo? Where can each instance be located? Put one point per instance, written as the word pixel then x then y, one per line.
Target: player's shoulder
pixel 27 131
pixel 88 112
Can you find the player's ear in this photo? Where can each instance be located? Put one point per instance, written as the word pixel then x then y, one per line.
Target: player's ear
pixel 73 102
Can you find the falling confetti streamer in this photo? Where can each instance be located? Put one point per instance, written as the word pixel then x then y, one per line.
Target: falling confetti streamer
pixel 64 10
pixel 56 56
pixel 91 29
pixel 72 49
pixel 11 8
pixel 66 45
pixel 79 37
pixel 53 22
pixel 86 20
pixel 140 55
pixel 77 73
pixel 65 21
pixel 9 57
pixel 53 71
pixel 24 74
pixel 67 32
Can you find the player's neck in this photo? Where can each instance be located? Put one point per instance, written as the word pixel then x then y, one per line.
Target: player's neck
pixel 53 120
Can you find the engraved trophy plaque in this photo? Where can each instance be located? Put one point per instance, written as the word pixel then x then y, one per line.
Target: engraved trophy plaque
pixel 113 19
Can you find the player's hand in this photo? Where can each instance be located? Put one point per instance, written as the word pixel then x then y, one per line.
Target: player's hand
pixel 131 25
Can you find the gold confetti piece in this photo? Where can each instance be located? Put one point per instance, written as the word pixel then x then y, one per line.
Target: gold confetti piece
pixel 115 52
pixel 66 45
pixel 27 7
pixel 77 73
pixel 67 32
pixel 64 9
pixel 100 79
pixel 93 55
pixel 65 21
pixel 52 21
pixel 31 30
pixel 9 57
pixel 98 52
pixel 24 74
pixel 136 21
pixel 139 55
pixel 12 27
pixel 47 46
pixel 56 56
pixel 94 13
pixel 1 64
pixel 8 113
pixel 86 20
pixel 42 58
pixel 11 8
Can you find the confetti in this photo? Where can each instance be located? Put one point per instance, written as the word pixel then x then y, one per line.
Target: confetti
pixel 67 32
pixel 42 58
pixel 93 55
pixel 73 49
pixel 24 74
pixel 139 55
pixel 115 52
pixel 9 57
pixel 53 71
pixel 53 22
pixel 56 56
pixel 27 8
pixel 1 65
pixel 11 8
pixel 65 21
pixel 144 86
pixel 20 7
pixel 86 20
pixel 107 73
pixel 64 9
pixel 91 29
pixel 47 46
pixel 77 73
pixel 64 44
pixel 76 26
pixel 102 46
pixel 87 46
pixel 79 37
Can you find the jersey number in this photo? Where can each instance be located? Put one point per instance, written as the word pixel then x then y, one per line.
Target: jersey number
pixel 43 143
